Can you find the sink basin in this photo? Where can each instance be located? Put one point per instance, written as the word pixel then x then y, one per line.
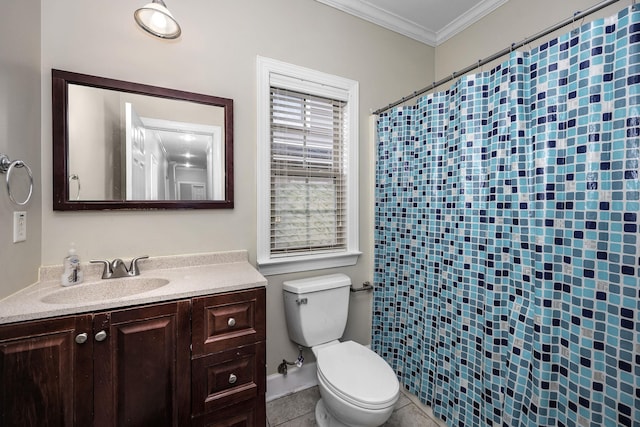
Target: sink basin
pixel 107 289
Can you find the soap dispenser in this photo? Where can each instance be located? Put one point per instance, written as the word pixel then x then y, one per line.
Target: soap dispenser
pixel 72 273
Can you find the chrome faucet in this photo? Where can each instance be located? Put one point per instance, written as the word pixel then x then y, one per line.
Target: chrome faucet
pixel 118 268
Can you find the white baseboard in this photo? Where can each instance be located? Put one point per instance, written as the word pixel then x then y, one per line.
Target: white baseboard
pixel 297 379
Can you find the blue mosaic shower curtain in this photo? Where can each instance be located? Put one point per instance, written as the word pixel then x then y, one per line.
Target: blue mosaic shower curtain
pixel 507 249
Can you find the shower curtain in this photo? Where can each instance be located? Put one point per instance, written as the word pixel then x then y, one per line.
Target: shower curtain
pixel 507 250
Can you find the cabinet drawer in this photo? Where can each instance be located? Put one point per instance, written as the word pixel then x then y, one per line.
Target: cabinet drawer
pixel 228 320
pixel 246 414
pixel 228 377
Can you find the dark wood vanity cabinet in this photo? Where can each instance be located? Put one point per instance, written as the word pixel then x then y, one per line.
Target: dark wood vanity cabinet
pixel 45 376
pixel 141 366
pixel 135 367
pixel 228 365
pixel 120 368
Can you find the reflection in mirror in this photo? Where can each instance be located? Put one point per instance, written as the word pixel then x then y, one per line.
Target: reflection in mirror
pixel 125 145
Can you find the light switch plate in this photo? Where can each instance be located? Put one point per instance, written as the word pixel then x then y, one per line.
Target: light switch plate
pixel 19 226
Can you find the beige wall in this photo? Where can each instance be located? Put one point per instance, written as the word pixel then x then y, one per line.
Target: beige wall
pixel 511 23
pixel 216 55
pixel 92 136
pixel 20 138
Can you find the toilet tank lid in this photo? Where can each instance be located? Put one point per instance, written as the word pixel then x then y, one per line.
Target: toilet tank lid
pixel 317 283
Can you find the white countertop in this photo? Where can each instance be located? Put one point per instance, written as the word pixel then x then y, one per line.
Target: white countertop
pixel 188 276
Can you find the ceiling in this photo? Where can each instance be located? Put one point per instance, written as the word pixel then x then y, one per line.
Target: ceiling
pixel 186 144
pixel 428 21
pixel 185 148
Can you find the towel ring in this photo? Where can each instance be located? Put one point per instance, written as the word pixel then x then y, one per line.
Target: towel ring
pixel 7 166
pixel 75 177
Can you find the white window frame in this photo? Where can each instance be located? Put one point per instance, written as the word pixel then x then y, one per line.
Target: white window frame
pixel 287 76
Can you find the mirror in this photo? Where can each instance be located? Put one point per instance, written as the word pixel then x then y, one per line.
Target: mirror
pixel 123 145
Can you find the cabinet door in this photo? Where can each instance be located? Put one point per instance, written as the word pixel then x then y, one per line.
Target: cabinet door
pixel 45 375
pixel 141 366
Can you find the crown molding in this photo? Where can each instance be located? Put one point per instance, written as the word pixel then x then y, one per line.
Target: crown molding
pixel 467 19
pixel 378 16
pixel 398 24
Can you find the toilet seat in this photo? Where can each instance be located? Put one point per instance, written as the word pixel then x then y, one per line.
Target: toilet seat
pixel 357 375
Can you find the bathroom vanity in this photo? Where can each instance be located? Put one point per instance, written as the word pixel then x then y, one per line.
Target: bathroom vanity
pixel 189 352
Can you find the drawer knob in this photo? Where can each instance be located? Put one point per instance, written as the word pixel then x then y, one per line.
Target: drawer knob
pixel 231 322
pixel 101 336
pixel 82 338
pixel 232 379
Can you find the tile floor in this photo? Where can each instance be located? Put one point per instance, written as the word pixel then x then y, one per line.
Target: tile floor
pixel 297 410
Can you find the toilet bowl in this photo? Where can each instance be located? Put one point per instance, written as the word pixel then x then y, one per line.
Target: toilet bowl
pixel 358 388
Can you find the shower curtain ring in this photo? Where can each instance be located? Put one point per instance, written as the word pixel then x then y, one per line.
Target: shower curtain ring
pixel 573 22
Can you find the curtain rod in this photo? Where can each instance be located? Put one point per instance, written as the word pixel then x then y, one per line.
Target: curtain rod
pixel 576 17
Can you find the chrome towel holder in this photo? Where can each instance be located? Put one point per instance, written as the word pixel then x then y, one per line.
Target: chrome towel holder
pixel 366 286
pixel 76 178
pixel 7 167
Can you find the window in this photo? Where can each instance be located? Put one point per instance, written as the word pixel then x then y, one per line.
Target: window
pixel 307 169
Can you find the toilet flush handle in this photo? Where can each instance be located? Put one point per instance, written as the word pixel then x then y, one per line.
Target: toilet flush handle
pixel 301 301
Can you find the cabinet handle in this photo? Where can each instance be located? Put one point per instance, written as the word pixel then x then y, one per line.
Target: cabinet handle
pixel 232 379
pixel 231 322
pixel 82 338
pixel 101 336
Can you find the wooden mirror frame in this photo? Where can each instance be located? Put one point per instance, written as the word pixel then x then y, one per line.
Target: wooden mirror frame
pixel 61 197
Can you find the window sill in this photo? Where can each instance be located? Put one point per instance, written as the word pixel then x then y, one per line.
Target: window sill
pixel 270 267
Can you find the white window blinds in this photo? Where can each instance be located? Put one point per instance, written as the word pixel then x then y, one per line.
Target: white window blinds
pixel 308 173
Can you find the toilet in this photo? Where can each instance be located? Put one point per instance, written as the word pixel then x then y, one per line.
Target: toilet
pixel 357 387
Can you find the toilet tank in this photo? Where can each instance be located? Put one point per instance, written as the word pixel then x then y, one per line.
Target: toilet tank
pixel 316 308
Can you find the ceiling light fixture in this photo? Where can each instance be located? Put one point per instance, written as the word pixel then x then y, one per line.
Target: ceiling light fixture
pixel 156 19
